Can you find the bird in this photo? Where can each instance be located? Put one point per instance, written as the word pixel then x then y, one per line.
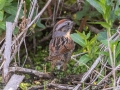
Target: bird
pixel 61 45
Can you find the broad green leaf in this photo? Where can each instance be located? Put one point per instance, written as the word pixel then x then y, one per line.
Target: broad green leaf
pixel 112 16
pixel 107 13
pixel 93 40
pixel 102 36
pixel 105 42
pixel 84 59
pixel 2 3
pixel 102 5
pixel 94 14
pixel 96 5
pixel 10 18
pixel 8 3
pixel 13 10
pixel 88 35
pixel 39 24
pixel 82 35
pixel 82 13
pixel 1 15
pixel 103 2
pixel 76 38
pixel 104 24
pixel 2 25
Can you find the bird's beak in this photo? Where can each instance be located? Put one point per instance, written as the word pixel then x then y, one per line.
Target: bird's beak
pixel 72 24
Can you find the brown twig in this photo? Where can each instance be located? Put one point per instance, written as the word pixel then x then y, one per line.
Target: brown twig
pixel 83 23
pixel 49 10
pixel 30 71
pixel 93 29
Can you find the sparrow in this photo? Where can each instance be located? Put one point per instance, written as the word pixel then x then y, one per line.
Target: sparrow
pixel 61 45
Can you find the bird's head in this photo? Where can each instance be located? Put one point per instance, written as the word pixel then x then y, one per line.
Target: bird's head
pixel 62 27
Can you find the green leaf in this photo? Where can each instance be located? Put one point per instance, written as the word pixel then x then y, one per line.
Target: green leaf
pixel 104 24
pixel 117 8
pixel 84 59
pixel 94 14
pixel 102 36
pixel 118 50
pixel 96 5
pixel 109 2
pixel 1 32
pixel 82 35
pixel 2 25
pixel 2 3
pixel 82 13
pixel 93 40
pixel 8 3
pixel 102 5
pixel 103 2
pixel 13 10
pixel 107 13
pixel 105 42
pixel 76 38
pixel 117 12
pixel 10 18
pixel 16 30
pixel 88 35
pixel 104 53
pixel 118 60
pixel 112 16
pixel 39 24
pixel 1 15
pixel 109 61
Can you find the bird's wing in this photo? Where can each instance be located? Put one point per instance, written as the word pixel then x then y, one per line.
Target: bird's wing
pixel 60 45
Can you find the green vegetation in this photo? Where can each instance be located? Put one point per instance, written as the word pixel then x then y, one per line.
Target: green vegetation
pixel 104 15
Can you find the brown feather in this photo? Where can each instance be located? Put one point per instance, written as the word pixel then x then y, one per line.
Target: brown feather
pixel 61 45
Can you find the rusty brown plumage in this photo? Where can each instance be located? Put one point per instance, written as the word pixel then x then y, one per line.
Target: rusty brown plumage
pixel 61 45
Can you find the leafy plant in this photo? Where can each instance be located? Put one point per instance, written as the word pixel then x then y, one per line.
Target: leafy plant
pixel 90 46
pixel 24 86
pixel 84 13
pixel 110 12
pixel 7 12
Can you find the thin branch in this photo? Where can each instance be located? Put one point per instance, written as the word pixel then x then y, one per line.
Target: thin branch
pixel 7 52
pixel 39 14
pixel 29 71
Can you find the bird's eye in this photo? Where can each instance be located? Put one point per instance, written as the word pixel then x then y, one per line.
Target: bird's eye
pixel 67 23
